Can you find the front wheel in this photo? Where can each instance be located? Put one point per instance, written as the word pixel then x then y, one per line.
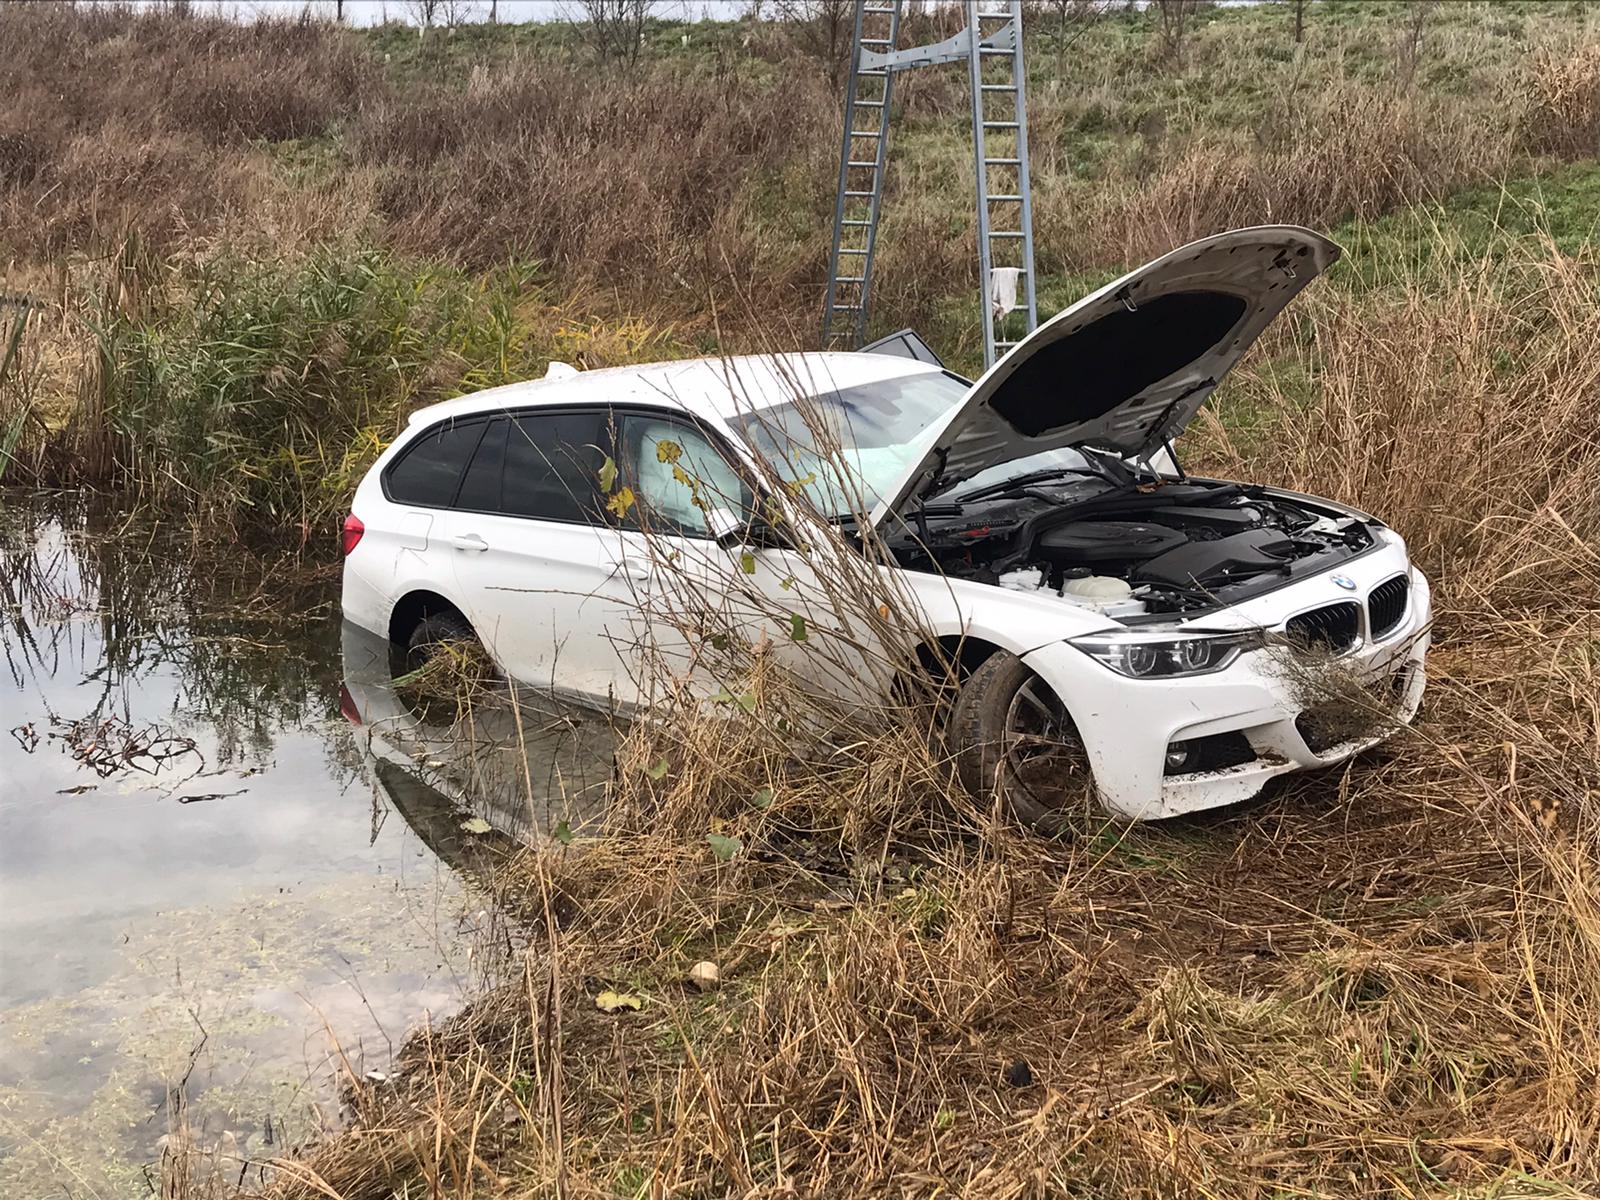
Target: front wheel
pixel 1012 737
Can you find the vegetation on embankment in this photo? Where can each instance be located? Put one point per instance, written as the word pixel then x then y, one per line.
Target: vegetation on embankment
pixel 250 249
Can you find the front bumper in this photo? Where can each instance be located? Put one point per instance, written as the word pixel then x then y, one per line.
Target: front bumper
pixel 1127 725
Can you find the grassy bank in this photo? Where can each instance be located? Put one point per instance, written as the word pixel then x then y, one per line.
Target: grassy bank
pixel 261 245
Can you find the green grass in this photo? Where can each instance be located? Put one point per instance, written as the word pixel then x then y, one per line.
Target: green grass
pixel 1563 206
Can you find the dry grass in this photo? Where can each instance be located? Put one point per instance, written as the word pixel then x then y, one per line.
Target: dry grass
pixel 670 185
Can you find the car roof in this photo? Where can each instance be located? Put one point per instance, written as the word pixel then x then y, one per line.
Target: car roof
pixel 709 388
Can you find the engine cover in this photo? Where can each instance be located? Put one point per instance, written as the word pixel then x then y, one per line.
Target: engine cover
pixel 1107 541
pixel 1216 517
pixel 1200 564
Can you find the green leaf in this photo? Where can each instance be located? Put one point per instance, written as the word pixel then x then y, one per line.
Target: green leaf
pixel 562 833
pixel 806 480
pixel 747 563
pixel 658 771
pixel 747 701
pixel 786 584
pixel 608 474
pixel 720 641
pixel 476 825
pixel 797 627
pixel 723 847
pixel 723 696
pixel 762 797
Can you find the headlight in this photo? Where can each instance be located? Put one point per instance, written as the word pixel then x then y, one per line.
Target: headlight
pixel 1163 656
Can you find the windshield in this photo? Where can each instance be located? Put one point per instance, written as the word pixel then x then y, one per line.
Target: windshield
pixel 844 449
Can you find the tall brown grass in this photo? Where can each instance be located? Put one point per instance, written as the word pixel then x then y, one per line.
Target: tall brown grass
pixel 668 185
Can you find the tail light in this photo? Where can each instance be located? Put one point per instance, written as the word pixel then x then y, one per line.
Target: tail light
pixel 351 531
pixel 347 706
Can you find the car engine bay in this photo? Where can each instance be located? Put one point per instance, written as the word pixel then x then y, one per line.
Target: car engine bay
pixel 1150 550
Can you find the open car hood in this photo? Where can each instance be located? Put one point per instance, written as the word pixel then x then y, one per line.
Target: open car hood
pixel 1127 367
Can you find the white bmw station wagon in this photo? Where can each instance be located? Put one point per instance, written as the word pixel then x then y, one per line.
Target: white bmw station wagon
pixel 1093 594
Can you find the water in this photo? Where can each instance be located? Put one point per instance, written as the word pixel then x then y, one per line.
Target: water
pixel 208 873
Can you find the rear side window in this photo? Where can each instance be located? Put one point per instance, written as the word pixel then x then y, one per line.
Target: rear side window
pixel 480 490
pixel 431 467
pixel 552 466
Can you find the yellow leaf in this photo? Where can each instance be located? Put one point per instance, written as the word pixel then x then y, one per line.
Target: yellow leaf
pixel 615 1002
pixel 668 451
pixel 621 502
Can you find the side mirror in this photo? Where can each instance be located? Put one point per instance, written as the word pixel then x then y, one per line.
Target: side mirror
pixel 725 525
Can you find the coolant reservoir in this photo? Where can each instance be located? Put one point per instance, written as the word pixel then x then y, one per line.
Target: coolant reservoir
pixel 1101 589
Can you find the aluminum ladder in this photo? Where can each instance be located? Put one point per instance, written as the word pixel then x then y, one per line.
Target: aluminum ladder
pixel 991 45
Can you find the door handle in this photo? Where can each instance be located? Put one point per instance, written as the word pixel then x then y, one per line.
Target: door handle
pixel 469 541
pixel 637 571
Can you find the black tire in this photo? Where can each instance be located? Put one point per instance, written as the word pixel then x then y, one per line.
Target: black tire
pixel 433 631
pixel 1012 737
pixel 448 696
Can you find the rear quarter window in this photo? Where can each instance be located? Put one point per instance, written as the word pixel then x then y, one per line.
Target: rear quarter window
pixel 429 471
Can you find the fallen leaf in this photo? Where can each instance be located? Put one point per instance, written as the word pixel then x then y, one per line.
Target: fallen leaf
pixel 476 825
pixel 724 847
pixel 615 1002
pixel 705 976
pixel 762 797
pixel 747 701
pixel 562 833
pixel 658 771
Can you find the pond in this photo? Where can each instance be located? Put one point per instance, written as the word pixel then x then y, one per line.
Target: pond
pixel 235 868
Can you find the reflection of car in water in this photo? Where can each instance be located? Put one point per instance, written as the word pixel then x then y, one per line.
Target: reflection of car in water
pixel 523 770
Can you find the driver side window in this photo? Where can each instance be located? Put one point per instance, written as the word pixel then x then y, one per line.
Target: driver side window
pixel 678 476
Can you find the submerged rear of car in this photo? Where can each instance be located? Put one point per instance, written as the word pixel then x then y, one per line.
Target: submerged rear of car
pixel 1181 641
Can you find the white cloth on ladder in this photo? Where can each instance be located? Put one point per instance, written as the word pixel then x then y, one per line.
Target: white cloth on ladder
pixel 1003 289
